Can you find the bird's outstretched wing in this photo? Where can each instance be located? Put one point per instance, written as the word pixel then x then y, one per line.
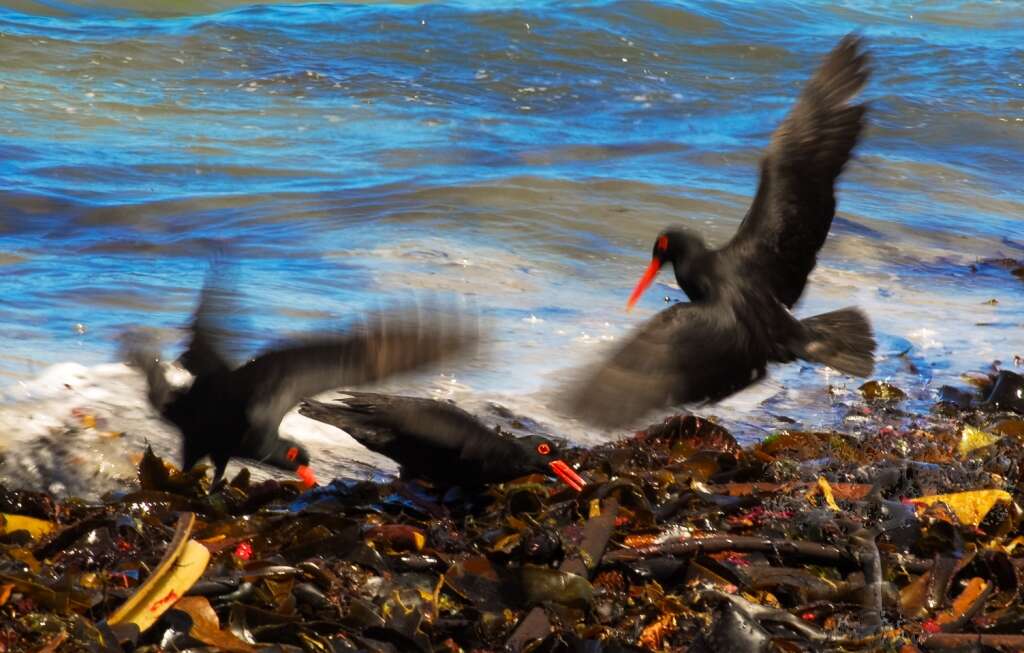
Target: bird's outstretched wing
pixel 663 362
pixel 789 220
pixel 140 350
pixel 385 344
pixel 206 351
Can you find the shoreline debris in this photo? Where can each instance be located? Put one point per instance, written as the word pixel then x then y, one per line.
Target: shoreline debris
pixel 905 536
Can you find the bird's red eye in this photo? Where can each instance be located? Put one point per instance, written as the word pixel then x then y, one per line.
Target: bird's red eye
pixel 662 243
pixel 543 448
pixel 292 454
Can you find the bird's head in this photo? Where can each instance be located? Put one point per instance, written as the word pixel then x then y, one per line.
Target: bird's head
pixel 675 245
pixel 293 457
pixel 542 456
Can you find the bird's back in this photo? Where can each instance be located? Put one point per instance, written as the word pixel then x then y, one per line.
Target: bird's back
pixel 429 439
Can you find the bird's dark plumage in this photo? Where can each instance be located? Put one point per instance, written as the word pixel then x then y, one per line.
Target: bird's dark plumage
pixel 234 412
pixel 738 320
pixel 700 352
pixel 792 213
pixel 436 440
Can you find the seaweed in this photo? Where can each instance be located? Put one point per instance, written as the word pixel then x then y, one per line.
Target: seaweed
pixel 905 535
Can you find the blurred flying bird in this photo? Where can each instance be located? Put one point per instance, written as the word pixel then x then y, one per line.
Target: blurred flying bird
pixel 234 411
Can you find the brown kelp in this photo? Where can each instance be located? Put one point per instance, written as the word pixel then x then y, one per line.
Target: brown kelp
pixel 906 535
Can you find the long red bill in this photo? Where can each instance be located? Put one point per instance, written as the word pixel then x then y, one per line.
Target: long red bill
pixel 645 281
pixel 306 474
pixel 567 475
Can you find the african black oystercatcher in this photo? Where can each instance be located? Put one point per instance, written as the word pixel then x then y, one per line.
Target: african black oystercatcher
pixel 234 412
pixel 438 441
pixel 738 319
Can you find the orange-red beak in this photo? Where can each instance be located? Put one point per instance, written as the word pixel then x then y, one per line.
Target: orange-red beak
pixel 567 475
pixel 306 474
pixel 645 282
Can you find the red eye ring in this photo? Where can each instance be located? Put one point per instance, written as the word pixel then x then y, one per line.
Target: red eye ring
pixel 543 448
pixel 662 243
pixel 292 454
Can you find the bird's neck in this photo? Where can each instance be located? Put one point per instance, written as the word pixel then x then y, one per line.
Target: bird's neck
pixel 694 273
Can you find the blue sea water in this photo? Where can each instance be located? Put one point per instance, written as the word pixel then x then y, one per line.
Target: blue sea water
pixel 520 154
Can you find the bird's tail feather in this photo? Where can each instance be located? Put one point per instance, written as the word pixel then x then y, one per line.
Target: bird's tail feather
pixel 841 339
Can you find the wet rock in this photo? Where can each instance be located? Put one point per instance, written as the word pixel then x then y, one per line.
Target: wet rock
pixel 881 392
pixel 1007 392
pixel 734 630
pixel 954 399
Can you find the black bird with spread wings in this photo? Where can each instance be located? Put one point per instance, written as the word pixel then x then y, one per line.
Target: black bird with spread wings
pixel 234 412
pixel 438 441
pixel 737 320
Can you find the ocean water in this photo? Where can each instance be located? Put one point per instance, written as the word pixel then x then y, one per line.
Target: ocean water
pixel 520 154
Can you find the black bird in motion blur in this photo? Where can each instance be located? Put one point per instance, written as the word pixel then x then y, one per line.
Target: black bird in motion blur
pixel 738 318
pixel 439 442
pixel 234 412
